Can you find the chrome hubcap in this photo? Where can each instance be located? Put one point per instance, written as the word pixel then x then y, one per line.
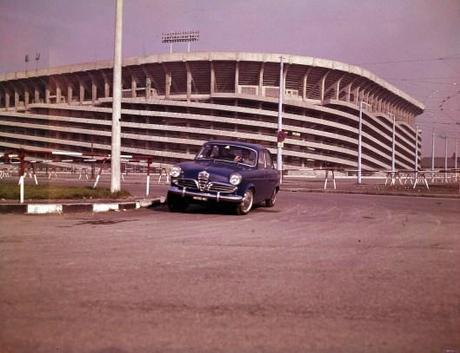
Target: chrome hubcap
pixel 274 196
pixel 247 201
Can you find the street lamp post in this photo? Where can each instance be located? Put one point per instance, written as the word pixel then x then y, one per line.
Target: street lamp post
pixel 279 156
pixel 417 130
pixel 456 156
pixel 115 184
pixel 360 132
pixel 445 160
pixel 432 152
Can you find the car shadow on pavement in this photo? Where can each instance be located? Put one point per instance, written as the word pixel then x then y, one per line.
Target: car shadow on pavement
pixel 212 209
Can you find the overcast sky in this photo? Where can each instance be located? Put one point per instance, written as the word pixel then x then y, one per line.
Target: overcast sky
pixel 413 44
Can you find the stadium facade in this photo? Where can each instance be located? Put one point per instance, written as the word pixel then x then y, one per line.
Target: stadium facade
pixel 172 103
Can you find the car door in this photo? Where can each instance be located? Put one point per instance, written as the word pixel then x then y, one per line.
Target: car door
pixel 271 174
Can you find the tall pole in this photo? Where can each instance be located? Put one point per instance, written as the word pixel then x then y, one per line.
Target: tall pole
pixel 445 160
pixel 456 156
pixel 279 157
pixel 455 162
pixel 416 150
pixel 432 151
pixel 393 146
pixel 445 153
pixel 115 185
pixel 360 138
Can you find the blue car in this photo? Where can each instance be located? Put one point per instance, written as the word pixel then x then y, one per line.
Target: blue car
pixel 231 172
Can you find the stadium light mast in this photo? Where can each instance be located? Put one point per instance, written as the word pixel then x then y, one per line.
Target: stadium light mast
pixel 115 184
pixel 180 37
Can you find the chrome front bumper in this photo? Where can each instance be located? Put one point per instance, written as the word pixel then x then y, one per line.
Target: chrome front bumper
pixel 204 196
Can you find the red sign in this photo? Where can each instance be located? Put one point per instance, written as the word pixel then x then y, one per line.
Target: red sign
pixel 281 136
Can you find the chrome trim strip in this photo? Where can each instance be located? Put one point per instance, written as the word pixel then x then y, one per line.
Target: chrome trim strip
pixel 228 198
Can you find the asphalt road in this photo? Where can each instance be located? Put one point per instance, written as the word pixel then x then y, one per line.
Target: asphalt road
pixel 317 273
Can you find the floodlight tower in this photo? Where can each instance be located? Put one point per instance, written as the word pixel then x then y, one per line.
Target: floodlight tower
pixel 180 37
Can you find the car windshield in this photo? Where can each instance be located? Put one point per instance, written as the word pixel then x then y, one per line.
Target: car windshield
pixel 228 153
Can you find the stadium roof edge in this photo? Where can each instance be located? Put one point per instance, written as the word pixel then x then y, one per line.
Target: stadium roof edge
pixel 214 56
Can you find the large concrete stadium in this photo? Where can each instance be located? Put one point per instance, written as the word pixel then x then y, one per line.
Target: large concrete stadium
pixel 172 103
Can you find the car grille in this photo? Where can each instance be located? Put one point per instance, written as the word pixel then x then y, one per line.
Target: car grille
pixel 203 178
pixel 220 187
pixel 201 185
pixel 187 183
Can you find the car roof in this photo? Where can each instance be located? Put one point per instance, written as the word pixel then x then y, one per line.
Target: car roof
pixel 238 143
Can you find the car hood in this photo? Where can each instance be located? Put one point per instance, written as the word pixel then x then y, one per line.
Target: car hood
pixel 218 170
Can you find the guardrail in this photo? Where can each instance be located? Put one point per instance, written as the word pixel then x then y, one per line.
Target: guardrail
pixel 390 178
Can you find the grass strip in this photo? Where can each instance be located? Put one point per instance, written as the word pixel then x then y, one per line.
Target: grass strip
pixel 10 191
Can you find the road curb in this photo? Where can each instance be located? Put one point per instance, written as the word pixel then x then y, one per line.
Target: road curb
pixel 351 192
pixel 74 207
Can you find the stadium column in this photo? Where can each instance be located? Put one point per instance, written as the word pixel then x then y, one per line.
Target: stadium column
pixel 323 86
pixel 26 98
pixel 47 93
pixel 133 87
pixel 69 93
pixel 237 76
pixel 189 82
pixel 167 84
pixel 213 79
pixel 93 90
pixel 36 95
pixel 356 95
pixel 337 89
pixel 106 88
pixel 82 91
pixel 16 99
pixel 348 93
pixel 7 99
pixel 148 87
pixel 261 79
pixel 304 85
pixel 58 93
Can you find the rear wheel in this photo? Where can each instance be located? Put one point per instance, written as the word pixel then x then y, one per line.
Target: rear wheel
pixel 271 201
pixel 246 204
pixel 176 203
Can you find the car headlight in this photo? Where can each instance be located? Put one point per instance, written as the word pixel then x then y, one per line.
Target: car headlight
pixel 235 179
pixel 175 172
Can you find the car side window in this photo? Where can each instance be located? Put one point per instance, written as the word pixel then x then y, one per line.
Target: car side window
pixel 261 162
pixel 268 160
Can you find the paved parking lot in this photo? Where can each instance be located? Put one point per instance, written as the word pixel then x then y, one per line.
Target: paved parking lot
pixel 317 273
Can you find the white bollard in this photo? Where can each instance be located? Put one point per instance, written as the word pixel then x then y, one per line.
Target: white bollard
pixel 21 189
pixel 147 187
pixel 97 180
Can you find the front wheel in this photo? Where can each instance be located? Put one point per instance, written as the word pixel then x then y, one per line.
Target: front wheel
pixel 176 203
pixel 246 204
pixel 271 201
